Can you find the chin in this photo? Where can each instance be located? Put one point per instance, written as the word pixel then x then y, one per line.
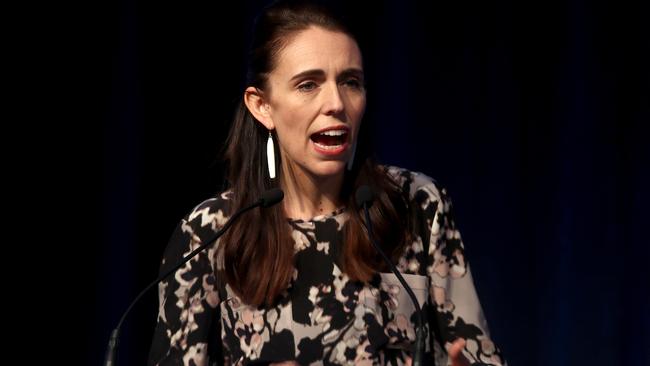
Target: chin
pixel 329 168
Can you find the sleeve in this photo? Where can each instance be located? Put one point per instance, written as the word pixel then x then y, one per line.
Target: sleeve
pixel 188 317
pixel 455 307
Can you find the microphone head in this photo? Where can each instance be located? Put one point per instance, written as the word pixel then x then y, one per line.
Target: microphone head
pixel 271 197
pixel 364 196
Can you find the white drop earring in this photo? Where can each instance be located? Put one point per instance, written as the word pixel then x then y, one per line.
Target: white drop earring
pixel 351 161
pixel 270 156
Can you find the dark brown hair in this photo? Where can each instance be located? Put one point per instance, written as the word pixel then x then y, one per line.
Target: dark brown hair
pixel 257 252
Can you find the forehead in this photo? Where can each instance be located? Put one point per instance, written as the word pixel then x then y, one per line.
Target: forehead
pixel 318 48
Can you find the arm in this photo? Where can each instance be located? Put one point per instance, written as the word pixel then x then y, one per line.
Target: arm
pixel 456 309
pixel 188 302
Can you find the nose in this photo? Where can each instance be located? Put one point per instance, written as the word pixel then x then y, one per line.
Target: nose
pixel 333 103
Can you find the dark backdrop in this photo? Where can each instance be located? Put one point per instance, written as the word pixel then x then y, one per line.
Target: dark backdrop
pixel 532 115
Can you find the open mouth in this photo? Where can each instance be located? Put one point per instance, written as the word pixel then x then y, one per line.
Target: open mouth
pixel 331 139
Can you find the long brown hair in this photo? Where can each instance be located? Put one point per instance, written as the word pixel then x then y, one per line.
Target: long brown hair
pixel 257 252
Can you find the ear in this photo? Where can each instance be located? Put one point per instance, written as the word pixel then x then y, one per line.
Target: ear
pixel 259 108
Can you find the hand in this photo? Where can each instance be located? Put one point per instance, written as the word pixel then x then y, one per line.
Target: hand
pixel 455 352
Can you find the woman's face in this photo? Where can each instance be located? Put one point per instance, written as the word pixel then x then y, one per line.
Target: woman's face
pixel 316 99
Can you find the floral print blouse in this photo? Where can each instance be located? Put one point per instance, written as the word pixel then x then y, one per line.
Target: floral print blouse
pixel 325 318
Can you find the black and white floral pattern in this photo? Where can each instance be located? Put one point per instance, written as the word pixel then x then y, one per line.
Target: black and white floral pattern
pixel 324 317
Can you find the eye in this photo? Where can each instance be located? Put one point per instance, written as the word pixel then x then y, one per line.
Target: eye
pixel 353 83
pixel 307 86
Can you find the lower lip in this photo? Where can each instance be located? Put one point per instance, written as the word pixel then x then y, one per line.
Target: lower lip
pixel 330 152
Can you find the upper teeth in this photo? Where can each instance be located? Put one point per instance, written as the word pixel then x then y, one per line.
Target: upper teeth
pixel 333 133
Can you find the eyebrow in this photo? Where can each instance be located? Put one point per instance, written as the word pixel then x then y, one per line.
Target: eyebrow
pixel 320 73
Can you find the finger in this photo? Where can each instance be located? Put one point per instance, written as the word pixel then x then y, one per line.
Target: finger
pixel 409 361
pixel 456 353
pixel 457 347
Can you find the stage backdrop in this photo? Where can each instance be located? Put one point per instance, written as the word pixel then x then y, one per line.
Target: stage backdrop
pixel 531 115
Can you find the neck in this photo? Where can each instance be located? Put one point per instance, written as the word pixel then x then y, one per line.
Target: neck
pixel 307 195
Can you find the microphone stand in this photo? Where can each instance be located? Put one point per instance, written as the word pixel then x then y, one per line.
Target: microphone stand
pixel 269 198
pixel 418 350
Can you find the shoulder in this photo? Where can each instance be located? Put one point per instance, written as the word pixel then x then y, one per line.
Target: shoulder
pixel 197 226
pixel 419 187
pixel 211 213
pixel 426 195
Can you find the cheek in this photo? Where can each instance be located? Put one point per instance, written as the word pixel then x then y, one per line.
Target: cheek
pixel 288 117
pixel 357 104
pixel 292 125
pixel 357 109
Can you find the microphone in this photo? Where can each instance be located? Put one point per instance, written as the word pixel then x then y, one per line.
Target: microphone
pixel 267 199
pixel 271 197
pixel 364 198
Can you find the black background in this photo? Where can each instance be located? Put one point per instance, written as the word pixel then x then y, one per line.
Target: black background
pixel 533 116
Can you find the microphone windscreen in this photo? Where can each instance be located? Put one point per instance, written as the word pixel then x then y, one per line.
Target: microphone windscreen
pixel 364 196
pixel 271 197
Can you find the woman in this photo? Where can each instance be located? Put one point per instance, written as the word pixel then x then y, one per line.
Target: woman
pixel 299 282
